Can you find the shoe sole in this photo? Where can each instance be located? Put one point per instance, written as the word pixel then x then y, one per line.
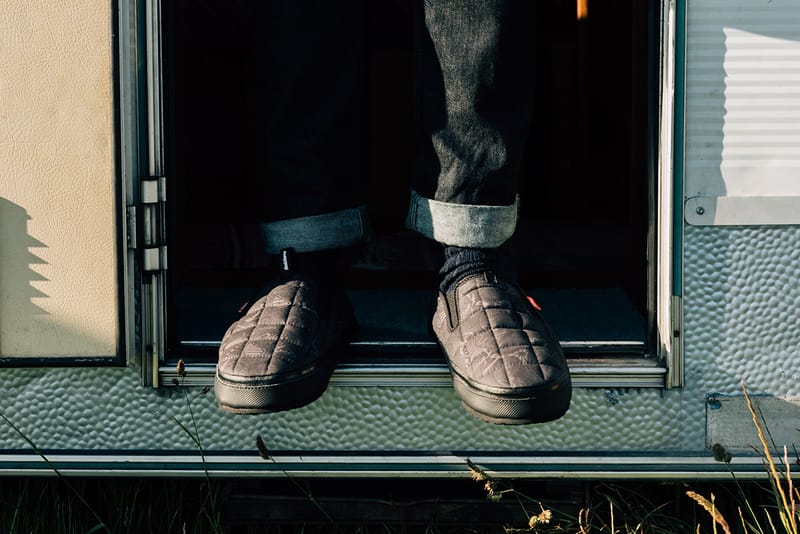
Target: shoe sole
pixel 254 398
pixel 542 405
pixel 259 396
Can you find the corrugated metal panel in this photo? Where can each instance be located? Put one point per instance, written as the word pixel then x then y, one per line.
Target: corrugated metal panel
pixel 743 98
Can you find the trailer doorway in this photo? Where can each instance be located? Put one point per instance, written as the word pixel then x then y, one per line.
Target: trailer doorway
pixel 584 245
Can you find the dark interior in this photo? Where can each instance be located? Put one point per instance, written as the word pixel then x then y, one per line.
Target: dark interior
pixel 582 242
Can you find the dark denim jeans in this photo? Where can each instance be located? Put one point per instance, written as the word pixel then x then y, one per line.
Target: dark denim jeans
pixel 474 67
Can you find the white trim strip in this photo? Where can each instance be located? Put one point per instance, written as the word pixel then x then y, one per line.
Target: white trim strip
pixel 515 465
pixel 721 211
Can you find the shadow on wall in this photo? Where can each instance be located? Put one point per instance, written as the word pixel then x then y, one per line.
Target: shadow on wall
pixel 29 333
pixel 16 256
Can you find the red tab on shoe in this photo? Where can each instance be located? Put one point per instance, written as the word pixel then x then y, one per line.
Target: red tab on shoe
pixel 534 303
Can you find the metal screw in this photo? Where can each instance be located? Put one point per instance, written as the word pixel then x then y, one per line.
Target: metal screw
pixel 700 210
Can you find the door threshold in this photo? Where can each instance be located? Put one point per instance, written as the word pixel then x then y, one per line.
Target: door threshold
pixel 598 371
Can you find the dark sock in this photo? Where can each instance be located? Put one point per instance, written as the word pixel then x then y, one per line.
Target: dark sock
pixel 462 262
pixel 322 269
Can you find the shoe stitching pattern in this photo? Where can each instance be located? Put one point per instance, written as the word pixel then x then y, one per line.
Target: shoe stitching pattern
pixel 519 320
pixel 246 336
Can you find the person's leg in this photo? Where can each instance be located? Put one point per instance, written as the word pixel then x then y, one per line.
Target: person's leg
pixel 474 88
pixel 281 352
pixel 475 96
pixel 312 76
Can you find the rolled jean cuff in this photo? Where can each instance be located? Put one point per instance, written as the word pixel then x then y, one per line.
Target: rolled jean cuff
pixel 338 229
pixel 462 225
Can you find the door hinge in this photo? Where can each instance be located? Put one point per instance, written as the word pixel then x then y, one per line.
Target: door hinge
pixel 146 228
pixel 154 190
pixel 154 258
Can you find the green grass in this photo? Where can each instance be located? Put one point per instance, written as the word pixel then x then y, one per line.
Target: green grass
pixel 48 505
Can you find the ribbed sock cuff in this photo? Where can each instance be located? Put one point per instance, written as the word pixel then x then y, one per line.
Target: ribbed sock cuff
pixel 462 262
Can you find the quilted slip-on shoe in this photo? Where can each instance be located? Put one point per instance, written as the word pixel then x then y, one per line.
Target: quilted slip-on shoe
pixel 507 365
pixel 282 352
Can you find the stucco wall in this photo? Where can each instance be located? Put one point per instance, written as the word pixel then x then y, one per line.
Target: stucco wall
pixel 58 290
